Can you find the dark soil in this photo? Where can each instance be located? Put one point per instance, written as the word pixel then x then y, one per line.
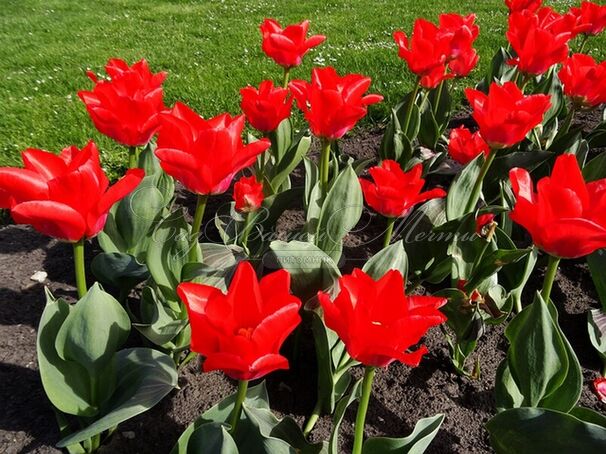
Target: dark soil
pixel 401 395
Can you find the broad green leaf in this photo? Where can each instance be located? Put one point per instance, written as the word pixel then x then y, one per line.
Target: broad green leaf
pixel 539 430
pixel 119 270
pixel 145 376
pixel 596 168
pixel 212 438
pixel 339 414
pixel 159 324
pixel 460 191
pixel 507 393
pixel 281 139
pixel 596 326
pixel 253 433
pixel 589 415
pixel 597 265
pixel 340 212
pixel 537 355
pixel 167 253
pixel 416 443
pixel 289 161
pixel 393 257
pixel 493 261
pixel 66 383
pixel 92 332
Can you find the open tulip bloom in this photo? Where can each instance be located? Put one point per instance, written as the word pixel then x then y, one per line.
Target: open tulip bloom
pixel 378 324
pixel 126 107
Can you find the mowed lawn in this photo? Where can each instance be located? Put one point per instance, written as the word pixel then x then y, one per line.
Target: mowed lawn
pixel 210 49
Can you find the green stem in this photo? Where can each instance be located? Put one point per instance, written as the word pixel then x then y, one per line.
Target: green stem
pixel 535 133
pixel 439 96
pixel 369 374
pixel 246 231
pixel 313 418
pixel 477 187
pixel 411 103
pixel 195 230
pixel 237 411
pixel 583 43
pixel 132 158
pixel 388 232
pixel 550 274
pixel 79 268
pixel 325 166
pixel 568 120
pixel 286 76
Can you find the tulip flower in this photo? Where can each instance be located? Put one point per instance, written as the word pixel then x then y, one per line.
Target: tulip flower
pixel 515 6
pixel 483 223
pixel 332 106
pixel 460 32
pixel 599 386
pixel 591 17
pixel 463 146
pixel 426 53
pixel 564 217
pixel 379 324
pixel 64 196
pixel 505 116
pixel 241 332
pixel 248 195
pixel 287 46
pixel 126 107
pixel 265 108
pixel 539 40
pixel 584 81
pixel 204 155
pixel 394 192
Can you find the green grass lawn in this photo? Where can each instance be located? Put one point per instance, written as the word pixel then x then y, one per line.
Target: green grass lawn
pixel 210 48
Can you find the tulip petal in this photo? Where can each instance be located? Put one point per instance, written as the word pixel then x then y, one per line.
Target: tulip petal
pixel 51 218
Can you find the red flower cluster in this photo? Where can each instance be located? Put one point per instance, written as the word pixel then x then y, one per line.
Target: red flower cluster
pixel 377 322
pixel 204 155
pixel 584 80
pixel 395 192
pixel 127 106
pixel 241 332
pixel 591 18
pixel 433 51
pixel 540 40
pixel 267 106
pixel 66 196
pixel 333 104
pixel 288 46
pixel 566 217
pixel 248 194
pixel 463 146
pixel 505 115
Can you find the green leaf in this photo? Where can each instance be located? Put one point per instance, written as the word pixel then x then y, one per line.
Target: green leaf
pixel 339 414
pixel 290 160
pixel 596 326
pixel 211 438
pixel 92 332
pixel 145 376
pixel 66 383
pixel 220 262
pixel 167 253
pixel 589 415
pixel 493 261
pixel 596 168
pixel 393 257
pixel 460 191
pixel 539 430
pixel 416 443
pixel 340 212
pixel 253 433
pixel 597 265
pixel 118 270
pixel 311 269
pixel 281 139
pixel 507 393
pixel 159 323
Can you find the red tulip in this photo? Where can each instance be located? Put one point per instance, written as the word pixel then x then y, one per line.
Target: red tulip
pixel 248 194
pixel 426 53
pixel 266 107
pixel 377 322
pixel 599 386
pixel 591 17
pixel 460 32
pixel 539 40
pixel 204 155
pixel 241 332
pixel 584 80
pixel 395 192
pixel 67 196
pixel 505 115
pixel 288 46
pixel 332 104
pixel 464 146
pixel 522 5
pixel 126 107
pixel 566 217
pixel 483 221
